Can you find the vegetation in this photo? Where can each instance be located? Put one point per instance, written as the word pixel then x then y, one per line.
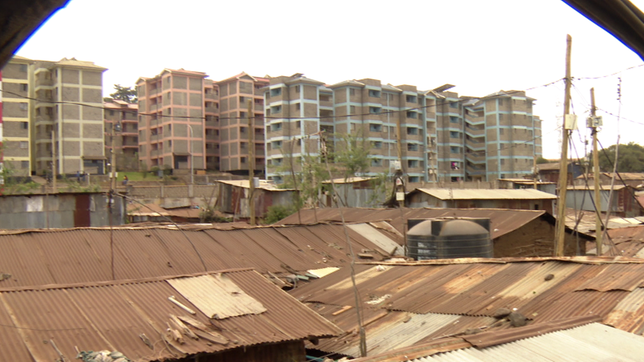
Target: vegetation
pixel 541 160
pixel 278 212
pixel 125 94
pixel 631 158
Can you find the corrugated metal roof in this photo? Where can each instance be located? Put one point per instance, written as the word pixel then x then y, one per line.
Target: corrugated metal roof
pixel 378 238
pixel 592 342
pixel 217 296
pixel 486 194
pixel 115 316
pixel 85 255
pixel 263 184
pixel 502 221
pixel 545 290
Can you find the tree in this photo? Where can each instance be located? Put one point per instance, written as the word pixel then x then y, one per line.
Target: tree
pixel 631 158
pixel 541 160
pixel 125 94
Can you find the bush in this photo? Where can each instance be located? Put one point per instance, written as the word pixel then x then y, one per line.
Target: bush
pixel 277 213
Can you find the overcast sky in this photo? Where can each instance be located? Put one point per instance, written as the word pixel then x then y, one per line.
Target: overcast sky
pixel 479 46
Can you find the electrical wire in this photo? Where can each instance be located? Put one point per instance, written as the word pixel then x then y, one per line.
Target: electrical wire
pixel 610 75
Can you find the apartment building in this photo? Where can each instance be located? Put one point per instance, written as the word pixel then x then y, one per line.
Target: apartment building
pixel 431 135
pixel 172 110
pixel 16 114
pixel 68 114
pixel 211 124
pixel 122 128
pixel 512 135
pixel 234 95
pixel 294 106
pixel 1 147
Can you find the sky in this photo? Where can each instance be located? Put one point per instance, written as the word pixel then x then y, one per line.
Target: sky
pixel 479 46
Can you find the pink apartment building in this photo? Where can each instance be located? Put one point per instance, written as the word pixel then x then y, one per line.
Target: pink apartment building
pixel 172 110
pixel 234 94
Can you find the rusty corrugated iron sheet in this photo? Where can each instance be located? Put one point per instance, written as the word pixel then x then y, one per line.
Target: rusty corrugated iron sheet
pixel 85 255
pixel 545 290
pixel 133 318
pixel 502 221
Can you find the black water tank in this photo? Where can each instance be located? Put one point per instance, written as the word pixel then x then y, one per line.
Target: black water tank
pixel 453 238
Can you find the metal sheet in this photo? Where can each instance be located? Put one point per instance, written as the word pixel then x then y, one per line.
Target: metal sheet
pixel 217 296
pixel 378 238
pixel 481 194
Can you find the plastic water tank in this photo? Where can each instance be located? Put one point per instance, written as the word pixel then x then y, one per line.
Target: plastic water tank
pixel 453 238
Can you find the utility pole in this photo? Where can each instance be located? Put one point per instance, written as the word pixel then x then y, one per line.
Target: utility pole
pixel 593 124
pixel 53 160
pixel 560 231
pixel 113 158
pixel 534 169
pixel 251 163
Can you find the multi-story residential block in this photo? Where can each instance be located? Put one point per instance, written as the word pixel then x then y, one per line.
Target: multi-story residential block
pixel 511 133
pixel 1 153
pixel 234 94
pixel 172 110
pixel 68 113
pixel 121 122
pixel 211 124
pixel 16 114
pixel 433 135
pixel 296 107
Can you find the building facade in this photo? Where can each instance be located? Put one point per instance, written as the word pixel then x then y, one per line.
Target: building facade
pixel 121 124
pixel 171 120
pixel 429 135
pixel 234 95
pixel 16 114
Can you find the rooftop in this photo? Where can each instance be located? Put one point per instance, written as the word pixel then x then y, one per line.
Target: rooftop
pixel 487 194
pixel 411 303
pixel 138 317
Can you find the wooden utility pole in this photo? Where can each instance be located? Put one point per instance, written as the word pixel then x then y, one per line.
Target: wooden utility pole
pixel 251 163
pixel 53 160
pixel 598 201
pixel 113 159
pixel 560 232
pixel 534 169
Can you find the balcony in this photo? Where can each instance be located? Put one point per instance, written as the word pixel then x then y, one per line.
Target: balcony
pixel 475 131
pixel 474 145
pixel 474 171
pixel 475 158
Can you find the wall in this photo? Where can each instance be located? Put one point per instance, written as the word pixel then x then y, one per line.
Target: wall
pixel 63 210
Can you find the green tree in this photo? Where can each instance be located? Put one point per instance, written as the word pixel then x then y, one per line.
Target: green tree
pixel 631 158
pixel 541 160
pixel 125 94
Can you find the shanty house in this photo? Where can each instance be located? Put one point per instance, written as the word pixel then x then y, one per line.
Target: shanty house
pixel 623 202
pixel 633 179
pixel 60 210
pixel 408 304
pixel 233 197
pixel 526 199
pixel 229 315
pixel 513 232
pixel 354 192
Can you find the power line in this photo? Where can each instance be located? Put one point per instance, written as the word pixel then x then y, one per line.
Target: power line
pixel 611 74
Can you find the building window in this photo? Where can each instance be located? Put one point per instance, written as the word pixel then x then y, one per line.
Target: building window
pixel 24 106
pixel 412 131
pixel 374 110
pixel 242 115
pixel 24 87
pixel 501 131
pixel 412 147
pixel 352 91
pixel 374 93
pixel 412 114
pixel 298 124
pixel 412 163
pixel 24 125
pixel 276 92
pixel 169 143
pixel 377 144
pixel 325 98
pixel 352 110
pixel 242 159
pixel 453 104
pixel 454 150
pixel 276 127
pixel 276 109
pixel 298 106
pixel 24 144
pixel 411 99
pixel 502 162
pixel 455 166
pixel 23 68
pixel 297 89
pixel 375 127
pixel 453 119
pixel 500 102
pixel 376 162
pixel 453 134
